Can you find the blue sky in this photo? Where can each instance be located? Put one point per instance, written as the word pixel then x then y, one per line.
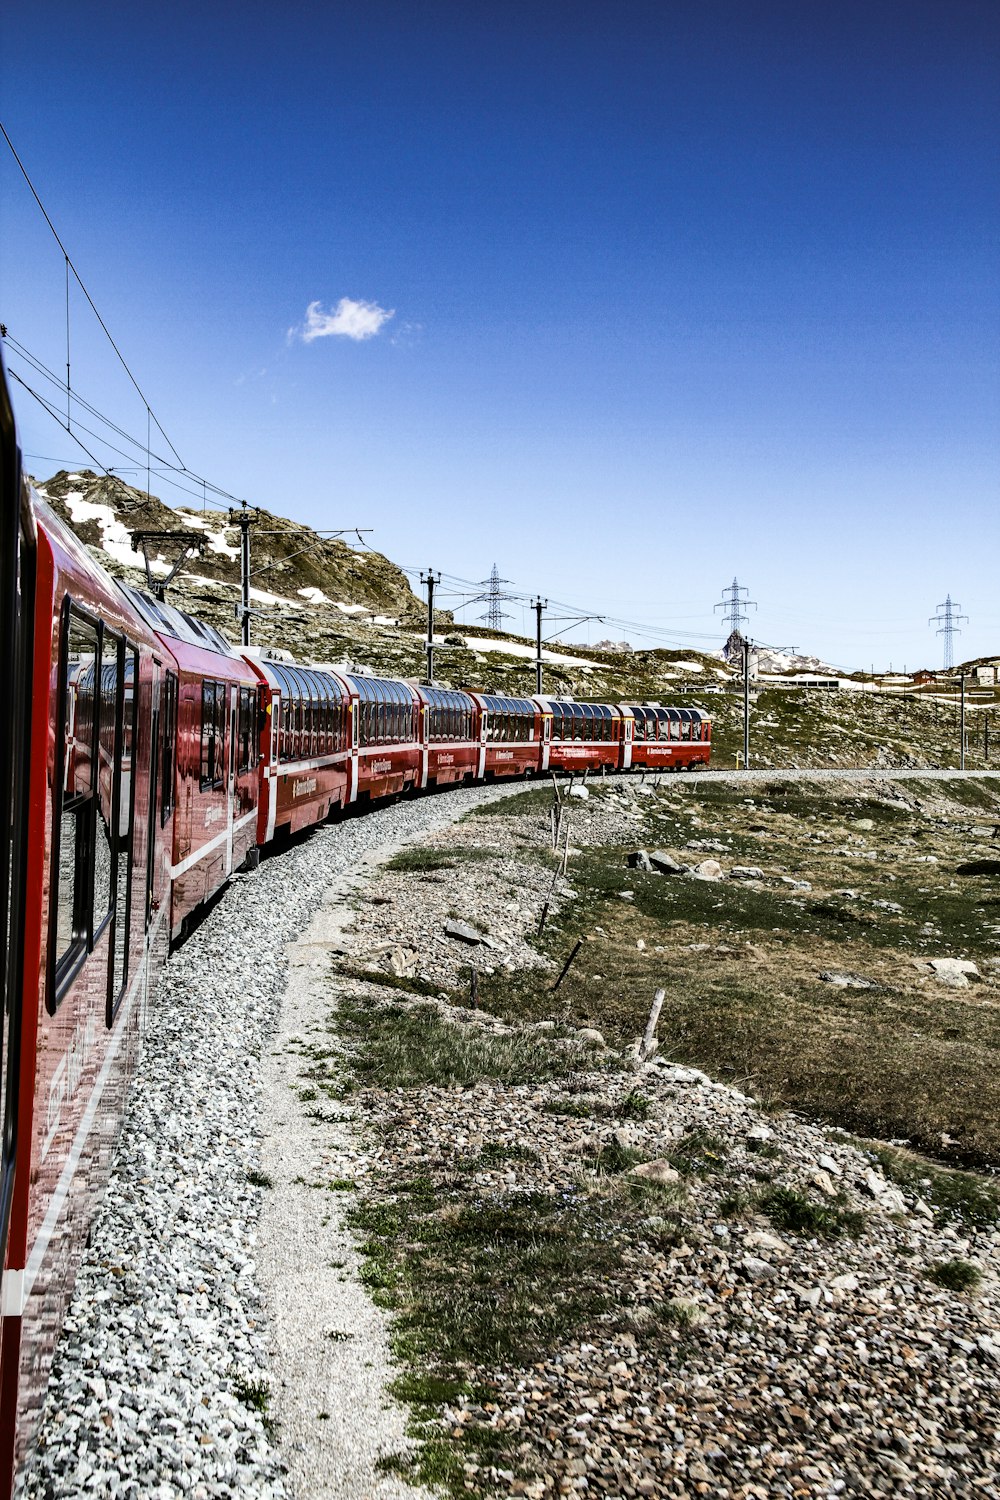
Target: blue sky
pixel 679 291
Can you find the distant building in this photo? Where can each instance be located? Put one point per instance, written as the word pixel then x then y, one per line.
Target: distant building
pixel 985 676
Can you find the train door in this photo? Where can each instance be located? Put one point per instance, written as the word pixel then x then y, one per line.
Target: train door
pixel 155 762
pixel 484 714
pixel 628 725
pixel 425 749
pixel 353 710
pixel 231 780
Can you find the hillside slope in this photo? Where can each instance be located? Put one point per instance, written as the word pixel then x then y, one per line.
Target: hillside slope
pixel 325 601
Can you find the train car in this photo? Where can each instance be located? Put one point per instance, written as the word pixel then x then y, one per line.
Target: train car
pixel 307 769
pixel 86 908
pixel 211 709
pixel 580 736
pixel 387 740
pixel 510 736
pixel 449 735
pixel 675 739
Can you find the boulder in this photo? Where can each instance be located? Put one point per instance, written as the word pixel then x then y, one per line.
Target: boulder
pixel 979 867
pixel 579 790
pixel 463 933
pixel 665 864
pixel 709 869
pixel 950 969
pixel 746 872
pixel 846 980
pixel 590 1037
pixel 639 860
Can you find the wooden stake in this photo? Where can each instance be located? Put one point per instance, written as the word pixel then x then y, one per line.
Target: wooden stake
pixel 649 1044
pixel 565 853
pixel 565 969
pixel 474 988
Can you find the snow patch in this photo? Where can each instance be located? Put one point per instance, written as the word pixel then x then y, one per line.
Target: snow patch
pixel 116 540
pixel 313 595
pixel 516 648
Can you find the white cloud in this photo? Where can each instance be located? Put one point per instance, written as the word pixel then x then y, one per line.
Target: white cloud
pixel 349 320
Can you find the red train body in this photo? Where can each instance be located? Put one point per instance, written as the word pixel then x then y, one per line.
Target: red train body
pixel 144 760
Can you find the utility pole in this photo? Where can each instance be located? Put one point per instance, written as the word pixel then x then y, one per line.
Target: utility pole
pixel 961 723
pixel 430 580
pixel 947 617
pixel 746 705
pixel 538 605
pixel 244 520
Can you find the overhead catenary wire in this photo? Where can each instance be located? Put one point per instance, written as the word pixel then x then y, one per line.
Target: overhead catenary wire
pixel 93 305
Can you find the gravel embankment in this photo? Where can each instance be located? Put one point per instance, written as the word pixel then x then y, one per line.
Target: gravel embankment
pixel 152 1391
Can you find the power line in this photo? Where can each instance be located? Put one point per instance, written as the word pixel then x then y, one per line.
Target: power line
pixel 93 305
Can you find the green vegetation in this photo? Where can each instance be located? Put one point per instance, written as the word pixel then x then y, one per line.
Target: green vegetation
pixel 413 1046
pixel 741 960
pixel 255 1395
pixel 793 1212
pixel 257 1178
pixel 955 1275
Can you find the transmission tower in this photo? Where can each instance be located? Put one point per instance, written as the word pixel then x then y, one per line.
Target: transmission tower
pixel 493 598
pixel 734 606
pixel 947 617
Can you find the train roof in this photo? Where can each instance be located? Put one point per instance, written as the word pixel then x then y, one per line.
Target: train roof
pixel 167 619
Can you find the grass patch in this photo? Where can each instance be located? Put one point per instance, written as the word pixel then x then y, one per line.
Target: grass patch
pixel 417 859
pixel 259 1179
pixel 409 1047
pixel 255 1395
pixel 955 1275
pixel 698 1154
pixel 964 1196
pixel 794 1213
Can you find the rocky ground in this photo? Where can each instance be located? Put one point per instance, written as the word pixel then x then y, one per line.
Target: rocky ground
pixel 634 1280
pixel 606 1276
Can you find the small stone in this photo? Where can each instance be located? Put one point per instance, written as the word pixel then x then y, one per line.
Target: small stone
pixel 656 1171
pixel 846 980
pixel 758 1270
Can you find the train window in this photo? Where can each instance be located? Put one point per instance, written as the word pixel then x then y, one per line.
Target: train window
pixel 169 747
pixel 125 804
pixel 244 729
pixel 213 734
pixel 71 856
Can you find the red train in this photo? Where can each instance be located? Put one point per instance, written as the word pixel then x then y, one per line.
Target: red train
pixel 142 760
